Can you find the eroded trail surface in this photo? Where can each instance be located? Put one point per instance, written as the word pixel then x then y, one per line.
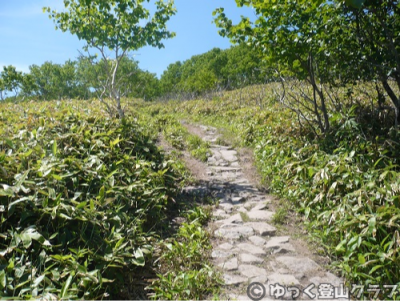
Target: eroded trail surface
pixel 246 245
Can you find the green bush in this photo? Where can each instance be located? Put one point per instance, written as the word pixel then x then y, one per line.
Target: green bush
pixel 79 195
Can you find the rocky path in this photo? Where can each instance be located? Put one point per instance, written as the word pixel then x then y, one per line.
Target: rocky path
pixel 246 246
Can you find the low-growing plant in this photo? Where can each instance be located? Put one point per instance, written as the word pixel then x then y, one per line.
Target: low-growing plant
pixel 81 197
pixel 186 272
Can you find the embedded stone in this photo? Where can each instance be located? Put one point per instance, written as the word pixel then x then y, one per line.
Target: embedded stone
pixel 282 279
pixel 226 207
pixel 220 213
pixel 276 242
pixel 249 258
pixel 285 248
pixel 300 266
pixel 232 231
pixel 261 206
pixel 225 246
pixel 220 254
pixel 257 240
pixel 237 200
pixel 233 279
pixel 260 215
pixel 261 228
pixel 229 155
pixel 251 249
pixel 233 219
pixel 229 265
pixel 250 271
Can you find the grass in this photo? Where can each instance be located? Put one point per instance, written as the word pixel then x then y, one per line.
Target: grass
pixel 88 203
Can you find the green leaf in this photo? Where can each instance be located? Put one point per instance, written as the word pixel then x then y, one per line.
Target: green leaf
pixel 3 281
pixel 65 286
pixel 38 281
pixel 102 194
pixel 361 258
pixel 139 257
pixel 54 148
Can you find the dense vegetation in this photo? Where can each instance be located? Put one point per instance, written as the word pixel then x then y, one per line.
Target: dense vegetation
pixel 215 70
pixel 84 203
pixel 346 183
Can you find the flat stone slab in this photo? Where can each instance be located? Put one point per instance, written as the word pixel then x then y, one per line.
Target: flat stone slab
pixel 251 271
pixel 257 240
pixel 298 265
pixel 226 207
pixel 232 231
pixel 255 206
pixel 233 219
pixel 276 242
pixel 261 215
pixel 225 246
pixel 249 258
pixel 220 254
pixel 261 228
pixel 251 249
pixel 229 155
pixel 284 248
pixel 233 279
pixel 282 279
pixel 237 200
pixel 220 213
pixel 230 265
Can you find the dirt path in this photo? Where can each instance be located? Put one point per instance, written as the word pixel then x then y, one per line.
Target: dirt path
pixel 247 247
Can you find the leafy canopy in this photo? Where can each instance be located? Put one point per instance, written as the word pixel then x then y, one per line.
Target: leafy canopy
pixel 118 24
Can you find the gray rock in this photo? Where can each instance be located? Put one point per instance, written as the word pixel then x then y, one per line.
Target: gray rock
pixel 259 206
pixel 285 248
pixel 299 266
pixel 282 279
pixel 261 279
pixel 250 271
pixel 249 258
pixel 226 207
pixel 220 213
pixel 233 219
pixel 229 155
pixel 242 209
pixel 237 200
pixel 251 249
pixel 230 265
pixel 260 215
pixel 225 246
pixel 257 240
pixel 261 228
pixel 232 231
pixel 233 279
pixel 276 242
pixel 220 254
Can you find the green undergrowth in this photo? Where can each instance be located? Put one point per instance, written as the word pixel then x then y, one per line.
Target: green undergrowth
pixel 85 203
pixel 175 133
pixel 346 182
pixel 186 271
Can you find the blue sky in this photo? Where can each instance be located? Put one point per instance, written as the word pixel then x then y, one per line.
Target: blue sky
pixel 29 37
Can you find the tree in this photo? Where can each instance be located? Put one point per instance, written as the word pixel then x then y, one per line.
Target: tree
pixel 376 31
pixel 11 79
pixel 289 35
pixel 119 26
pixel 2 89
